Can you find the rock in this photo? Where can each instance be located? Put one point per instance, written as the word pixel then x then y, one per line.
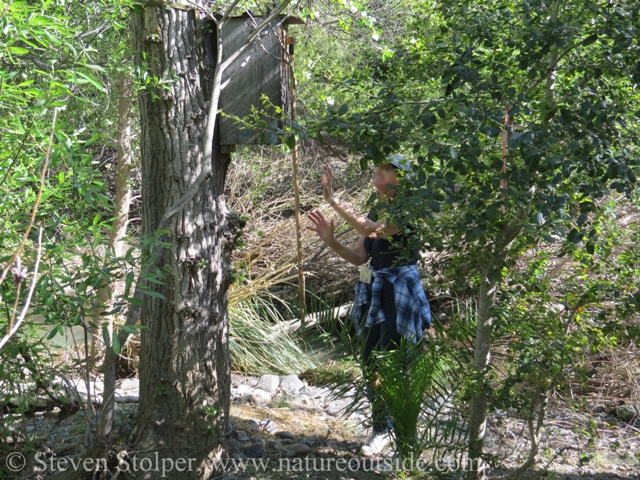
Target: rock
pixel 306 400
pixel 244 438
pixel 268 383
pixel 130 385
pixel 291 384
pixel 260 397
pixel 254 451
pixel 128 390
pixel 312 440
pixel 287 441
pixel 335 407
pixel 285 434
pixel 237 379
pixel 315 392
pixel 254 425
pixel 241 391
pixel 298 448
pixel 252 381
pixel 597 408
pixel 626 412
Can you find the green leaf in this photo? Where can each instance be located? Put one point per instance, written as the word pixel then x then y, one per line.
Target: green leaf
pixel 53 332
pixel 575 235
pixel 116 342
pixel 19 50
pixel 92 81
pixel 153 293
pixel 97 68
pixel 582 219
pixel 132 329
pixel 128 282
pixel 105 335
pixel 134 300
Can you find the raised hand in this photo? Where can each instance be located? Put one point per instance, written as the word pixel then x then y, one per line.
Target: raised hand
pixel 323 228
pixel 327 185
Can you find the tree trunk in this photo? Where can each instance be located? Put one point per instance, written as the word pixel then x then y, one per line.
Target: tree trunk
pixel 476 469
pixel 123 197
pixel 184 358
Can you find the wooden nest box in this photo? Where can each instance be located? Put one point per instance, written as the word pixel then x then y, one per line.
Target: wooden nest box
pixel 262 68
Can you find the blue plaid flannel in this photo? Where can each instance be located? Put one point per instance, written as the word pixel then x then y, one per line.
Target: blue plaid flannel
pixel 412 306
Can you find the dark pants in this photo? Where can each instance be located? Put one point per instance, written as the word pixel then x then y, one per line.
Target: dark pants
pixel 382 336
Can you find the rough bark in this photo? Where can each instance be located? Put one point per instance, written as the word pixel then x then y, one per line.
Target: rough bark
pixel 184 357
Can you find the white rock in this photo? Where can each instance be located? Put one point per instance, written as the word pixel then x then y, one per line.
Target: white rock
pixel 306 401
pixel 291 384
pixel 241 391
pixel 129 384
pixel 268 383
pixel 315 392
pixel 260 396
pixel 335 407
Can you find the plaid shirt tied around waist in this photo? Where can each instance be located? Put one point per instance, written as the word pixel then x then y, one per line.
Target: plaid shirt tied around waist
pixel 412 307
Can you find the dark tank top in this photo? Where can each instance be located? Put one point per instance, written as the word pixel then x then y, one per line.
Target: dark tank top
pixel 382 253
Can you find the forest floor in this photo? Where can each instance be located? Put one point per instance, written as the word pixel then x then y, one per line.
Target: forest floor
pixel 301 432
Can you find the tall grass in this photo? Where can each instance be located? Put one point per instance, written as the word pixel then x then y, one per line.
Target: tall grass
pixel 256 348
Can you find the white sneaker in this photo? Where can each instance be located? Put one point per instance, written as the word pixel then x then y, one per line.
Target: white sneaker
pixel 377 442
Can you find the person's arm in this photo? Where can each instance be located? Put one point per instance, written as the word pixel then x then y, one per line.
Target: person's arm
pixel 356 256
pixel 363 225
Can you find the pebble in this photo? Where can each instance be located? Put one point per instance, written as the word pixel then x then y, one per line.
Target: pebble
pixel 285 434
pixel 275 444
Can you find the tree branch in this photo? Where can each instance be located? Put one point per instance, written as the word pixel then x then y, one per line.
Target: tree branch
pixel 36 204
pixel 25 307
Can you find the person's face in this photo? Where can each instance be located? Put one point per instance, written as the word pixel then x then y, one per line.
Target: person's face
pixel 384 175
